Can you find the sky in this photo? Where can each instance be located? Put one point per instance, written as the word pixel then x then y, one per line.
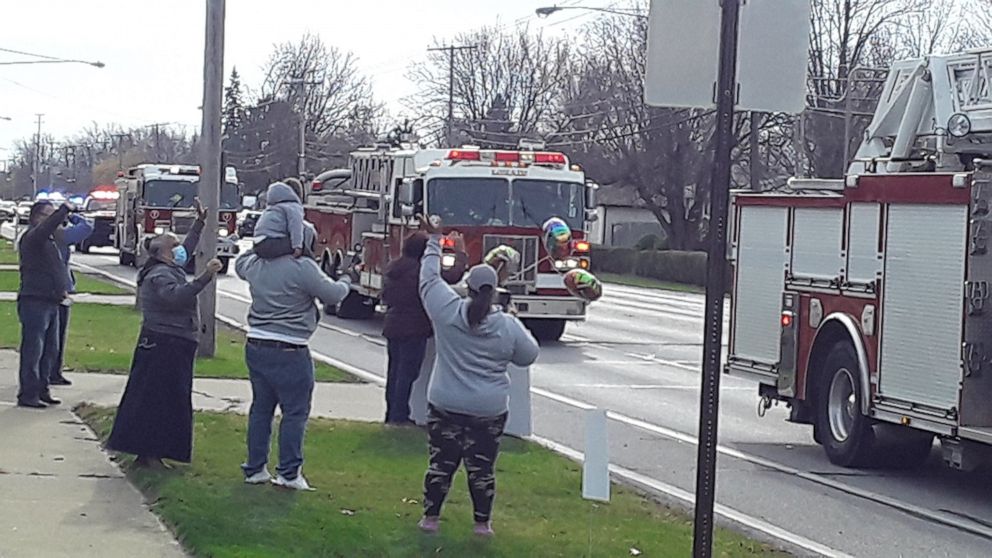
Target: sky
pixel 154 55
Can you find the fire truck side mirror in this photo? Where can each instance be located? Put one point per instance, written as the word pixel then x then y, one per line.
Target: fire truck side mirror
pixel 591 189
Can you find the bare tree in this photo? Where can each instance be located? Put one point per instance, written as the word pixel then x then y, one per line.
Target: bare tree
pixel 504 88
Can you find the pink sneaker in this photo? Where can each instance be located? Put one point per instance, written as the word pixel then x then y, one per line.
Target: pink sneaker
pixel 484 529
pixel 430 525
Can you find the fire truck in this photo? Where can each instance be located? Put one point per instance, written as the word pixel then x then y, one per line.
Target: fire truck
pixel 100 207
pixel 493 197
pixel 158 198
pixel 864 303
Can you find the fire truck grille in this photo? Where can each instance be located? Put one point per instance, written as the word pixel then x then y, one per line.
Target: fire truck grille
pixel 528 248
pixel 182 224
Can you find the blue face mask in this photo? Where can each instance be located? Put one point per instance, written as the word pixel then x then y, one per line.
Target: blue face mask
pixel 179 255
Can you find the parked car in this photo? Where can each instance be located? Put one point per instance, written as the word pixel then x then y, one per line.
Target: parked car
pixel 248 216
pixel 23 211
pixel 8 210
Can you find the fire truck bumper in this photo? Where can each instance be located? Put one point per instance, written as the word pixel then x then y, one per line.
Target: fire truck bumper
pixel 559 308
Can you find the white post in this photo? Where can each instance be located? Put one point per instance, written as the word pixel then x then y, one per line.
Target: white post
pixel 596 460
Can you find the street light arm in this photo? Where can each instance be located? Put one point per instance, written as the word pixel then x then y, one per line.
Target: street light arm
pixel 96 64
pixel 548 10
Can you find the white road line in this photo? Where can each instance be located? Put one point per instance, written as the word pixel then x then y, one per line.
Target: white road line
pixel 689 499
pixel 948 520
pixel 652 386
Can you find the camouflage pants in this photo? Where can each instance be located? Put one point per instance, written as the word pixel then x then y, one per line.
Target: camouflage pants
pixel 454 438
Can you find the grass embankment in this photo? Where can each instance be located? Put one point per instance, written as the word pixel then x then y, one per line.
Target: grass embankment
pixel 647 283
pixel 368 481
pixel 102 339
pixel 10 281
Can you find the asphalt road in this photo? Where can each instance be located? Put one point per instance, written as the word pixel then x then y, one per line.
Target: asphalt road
pixel 638 356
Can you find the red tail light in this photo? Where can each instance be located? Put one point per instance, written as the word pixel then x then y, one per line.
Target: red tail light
pixel 582 246
pixel 786 319
pixel 463 155
pixel 316 186
pixel 507 156
pixel 550 158
pixel 447 242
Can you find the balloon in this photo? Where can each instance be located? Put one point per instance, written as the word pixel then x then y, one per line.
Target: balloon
pixel 557 237
pixel 503 253
pixel 583 284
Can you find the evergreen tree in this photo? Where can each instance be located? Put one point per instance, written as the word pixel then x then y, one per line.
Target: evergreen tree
pixel 234 107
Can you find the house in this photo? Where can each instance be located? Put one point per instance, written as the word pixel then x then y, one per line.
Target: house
pixel 623 220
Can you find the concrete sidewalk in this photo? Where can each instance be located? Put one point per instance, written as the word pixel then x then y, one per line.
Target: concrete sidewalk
pixel 62 496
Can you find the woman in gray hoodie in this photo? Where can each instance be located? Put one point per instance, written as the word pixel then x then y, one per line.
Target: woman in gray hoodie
pixel 469 389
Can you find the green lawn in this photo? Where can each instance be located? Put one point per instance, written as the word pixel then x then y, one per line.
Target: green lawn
pixel 368 480
pixel 647 283
pixel 7 253
pixel 102 339
pixel 11 280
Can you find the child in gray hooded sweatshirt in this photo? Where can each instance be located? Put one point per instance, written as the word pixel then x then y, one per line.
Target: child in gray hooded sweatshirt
pixel 469 389
pixel 280 227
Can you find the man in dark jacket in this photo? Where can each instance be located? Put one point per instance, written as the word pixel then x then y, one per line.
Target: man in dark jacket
pixel 44 285
pixel 406 326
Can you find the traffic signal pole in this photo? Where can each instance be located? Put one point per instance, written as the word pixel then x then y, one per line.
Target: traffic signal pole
pixel 211 173
pixel 716 277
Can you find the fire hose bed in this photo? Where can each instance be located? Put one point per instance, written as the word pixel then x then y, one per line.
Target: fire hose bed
pixel 368 480
pixel 102 338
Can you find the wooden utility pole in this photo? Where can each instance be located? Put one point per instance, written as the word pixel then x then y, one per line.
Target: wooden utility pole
pixel 211 173
pixel 449 124
pixel 754 155
pixel 36 171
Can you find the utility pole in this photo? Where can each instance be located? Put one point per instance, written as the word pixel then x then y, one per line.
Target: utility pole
pixel 120 151
pixel 36 171
pixel 754 155
pixel 716 277
pixel 449 125
pixel 300 85
pixel 211 172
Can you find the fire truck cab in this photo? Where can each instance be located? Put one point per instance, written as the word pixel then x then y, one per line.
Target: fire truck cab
pixel 492 197
pixel 864 303
pixel 158 198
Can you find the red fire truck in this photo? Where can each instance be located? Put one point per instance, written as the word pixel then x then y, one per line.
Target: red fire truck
pixel 158 198
pixel 493 197
pixel 864 303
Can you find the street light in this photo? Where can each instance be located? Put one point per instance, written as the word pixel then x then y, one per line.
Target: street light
pixel 548 10
pixel 7 118
pixel 96 64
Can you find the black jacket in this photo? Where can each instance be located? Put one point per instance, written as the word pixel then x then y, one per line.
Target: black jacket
pixel 168 301
pixel 405 315
pixel 43 275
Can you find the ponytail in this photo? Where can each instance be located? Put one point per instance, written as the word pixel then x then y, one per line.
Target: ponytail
pixel 481 302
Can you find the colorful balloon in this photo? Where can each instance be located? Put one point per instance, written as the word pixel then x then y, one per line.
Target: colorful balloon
pixel 557 237
pixel 503 253
pixel 583 284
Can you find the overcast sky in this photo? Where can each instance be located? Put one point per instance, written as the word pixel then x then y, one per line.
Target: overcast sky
pixel 154 55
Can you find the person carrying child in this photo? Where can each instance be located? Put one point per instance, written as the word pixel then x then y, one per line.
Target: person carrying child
pixel 279 231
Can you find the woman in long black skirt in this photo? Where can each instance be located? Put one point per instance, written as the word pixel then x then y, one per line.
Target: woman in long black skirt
pixel 155 417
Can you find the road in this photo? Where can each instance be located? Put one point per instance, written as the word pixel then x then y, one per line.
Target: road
pixel 638 356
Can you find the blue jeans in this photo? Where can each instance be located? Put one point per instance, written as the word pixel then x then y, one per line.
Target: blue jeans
pixel 39 346
pixel 283 377
pixel 56 371
pixel 405 358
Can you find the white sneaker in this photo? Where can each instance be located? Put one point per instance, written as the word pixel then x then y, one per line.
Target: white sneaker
pixel 260 477
pixel 299 483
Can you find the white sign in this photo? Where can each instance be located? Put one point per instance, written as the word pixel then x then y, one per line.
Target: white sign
pixel 772 54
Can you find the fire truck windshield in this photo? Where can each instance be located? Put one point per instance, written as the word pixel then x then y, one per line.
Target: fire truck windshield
pixel 180 194
pixel 470 201
pixel 535 201
pixel 101 205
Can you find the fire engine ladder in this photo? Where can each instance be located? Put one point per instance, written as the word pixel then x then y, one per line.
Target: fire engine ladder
pixel 931 110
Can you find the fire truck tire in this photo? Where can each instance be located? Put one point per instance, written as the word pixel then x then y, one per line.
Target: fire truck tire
pixel 225 264
pixel 545 330
pixel 355 307
pixel 125 258
pixel 83 247
pixel 846 434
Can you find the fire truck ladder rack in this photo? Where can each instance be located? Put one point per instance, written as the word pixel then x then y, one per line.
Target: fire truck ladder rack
pixel 935 113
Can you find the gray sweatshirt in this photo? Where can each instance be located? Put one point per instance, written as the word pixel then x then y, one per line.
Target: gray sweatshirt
pixel 470 370
pixel 283 215
pixel 282 295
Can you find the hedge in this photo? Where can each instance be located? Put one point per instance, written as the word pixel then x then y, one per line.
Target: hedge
pixel 663 265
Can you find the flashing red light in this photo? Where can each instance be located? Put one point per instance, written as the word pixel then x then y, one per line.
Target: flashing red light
pixel 550 158
pixel 507 156
pixel 463 155
pixel 582 246
pixel 120 174
pixel 786 319
pixel 447 243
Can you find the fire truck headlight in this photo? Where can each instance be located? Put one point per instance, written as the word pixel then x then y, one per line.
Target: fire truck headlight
pixel 448 261
pixel 559 264
pixel 959 125
pixel 159 230
pixel 223 233
pixel 572 263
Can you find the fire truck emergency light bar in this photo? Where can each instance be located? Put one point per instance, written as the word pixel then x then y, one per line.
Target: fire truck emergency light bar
pixel 528 157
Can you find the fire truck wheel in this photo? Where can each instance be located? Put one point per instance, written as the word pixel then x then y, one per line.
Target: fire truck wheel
pixel 355 307
pixel 83 247
pixel 846 434
pixel 225 264
pixel 125 258
pixel 544 330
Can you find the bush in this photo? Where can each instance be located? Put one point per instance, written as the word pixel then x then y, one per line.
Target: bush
pixel 663 265
pixel 651 242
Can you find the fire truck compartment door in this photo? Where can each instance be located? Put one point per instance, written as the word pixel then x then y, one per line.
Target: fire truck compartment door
pixel 762 256
pixel 817 238
pixel 922 305
pixel 863 263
